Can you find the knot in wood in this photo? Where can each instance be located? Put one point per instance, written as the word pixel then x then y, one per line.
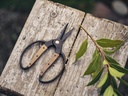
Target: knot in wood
pixel 53 14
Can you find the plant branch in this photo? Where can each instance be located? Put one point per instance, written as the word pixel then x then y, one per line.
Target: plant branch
pixel 97 46
pixel 105 62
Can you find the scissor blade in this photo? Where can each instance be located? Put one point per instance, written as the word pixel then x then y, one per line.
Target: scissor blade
pixel 67 34
pixel 63 32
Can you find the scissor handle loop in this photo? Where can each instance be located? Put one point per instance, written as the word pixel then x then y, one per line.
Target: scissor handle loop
pixel 25 50
pixel 58 75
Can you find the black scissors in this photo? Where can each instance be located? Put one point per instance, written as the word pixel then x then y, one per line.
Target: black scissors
pixel 57 44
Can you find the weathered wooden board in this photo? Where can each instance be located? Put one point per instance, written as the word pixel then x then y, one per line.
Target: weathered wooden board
pixel 44 23
pixel 72 83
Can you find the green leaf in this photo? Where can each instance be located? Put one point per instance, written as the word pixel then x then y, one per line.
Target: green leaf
pixel 111 51
pixel 96 78
pixel 95 53
pixel 123 81
pixel 105 62
pixel 109 91
pixel 108 51
pixel 119 68
pixel 98 68
pixel 117 92
pixel 108 43
pixel 111 60
pixel 93 65
pixel 82 50
pixel 107 83
pixel 115 73
pixel 113 81
pixel 103 80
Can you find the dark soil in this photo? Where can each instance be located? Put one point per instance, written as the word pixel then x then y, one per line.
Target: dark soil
pixel 11 24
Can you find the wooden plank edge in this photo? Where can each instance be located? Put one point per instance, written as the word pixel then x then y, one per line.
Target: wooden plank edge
pixel 9 92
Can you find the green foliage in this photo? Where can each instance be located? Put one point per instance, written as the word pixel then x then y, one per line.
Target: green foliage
pixel 105 62
pixel 109 91
pixel 95 53
pixel 115 73
pixel 103 80
pixel 111 60
pixel 93 65
pixel 109 46
pixel 122 81
pixel 119 68
pixel 101 60
pixel 113 50
pixel 96 78
pixel 98 68
pixel 105 85
pixel 82 49
pixel 113 82
pixel 108 43
pixel 117 92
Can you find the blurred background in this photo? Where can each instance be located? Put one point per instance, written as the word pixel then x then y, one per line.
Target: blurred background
pixel 13 14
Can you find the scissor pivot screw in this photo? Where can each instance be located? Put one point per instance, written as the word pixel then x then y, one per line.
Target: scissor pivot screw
pixel 57 42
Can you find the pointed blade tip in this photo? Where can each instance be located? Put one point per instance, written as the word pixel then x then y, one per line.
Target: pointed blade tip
pixel 72 30
pixel 67 34
pixel 66 26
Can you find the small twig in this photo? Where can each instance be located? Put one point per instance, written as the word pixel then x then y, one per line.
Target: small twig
pixel 97 46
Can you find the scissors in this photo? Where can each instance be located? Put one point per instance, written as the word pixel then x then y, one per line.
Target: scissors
pixel 55 43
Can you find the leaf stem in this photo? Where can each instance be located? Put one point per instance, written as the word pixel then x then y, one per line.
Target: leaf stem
pixel 97 46
pixel 110 77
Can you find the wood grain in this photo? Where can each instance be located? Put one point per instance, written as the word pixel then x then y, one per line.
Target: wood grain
pixel 72 82
pixel 45 22
pixel 37 55
pixel 50 62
